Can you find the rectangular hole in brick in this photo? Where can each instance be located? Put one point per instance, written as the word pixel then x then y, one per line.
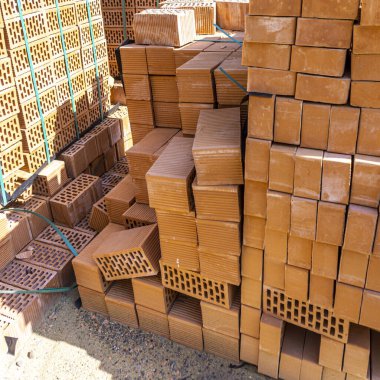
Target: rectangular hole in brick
pixel 303 320
pixel 332 331
pixel 317 325
pixel 325 323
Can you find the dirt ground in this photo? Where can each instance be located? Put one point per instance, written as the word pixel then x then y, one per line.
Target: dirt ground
pixel 75 344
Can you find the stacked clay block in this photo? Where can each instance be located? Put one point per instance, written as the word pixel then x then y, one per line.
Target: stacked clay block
pixel 310 221
pixel 143 155
pixel 166 27
pixel 169 188
pixel 204 13
pixel 24 145
pixel 153 303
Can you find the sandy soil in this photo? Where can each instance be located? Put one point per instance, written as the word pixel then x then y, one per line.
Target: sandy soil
pixel 75 344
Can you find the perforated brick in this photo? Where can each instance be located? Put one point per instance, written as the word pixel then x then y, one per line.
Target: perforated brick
pixel 8 103
pixel 153 321
pixel 35 159
pixel 114 70
pixel 24 310
pixel 7 252
pixel 74 60
pixel 44 79
pixel 90 73
pixel 67 15
pixel 120 168
pixel 145 4
pixel 75 160
pixel 10 132
pixel 35 25
pixel 27 276
pixel 111 179
pixel 40 52
pixel 6 74
pixel 114 17
pixel 304 314
pixel 19 230
pixel 98 32
pixel 40 206
pixel 53 258
pixel 84 225
pixel 93 301
pixel 64 137
pixel 29 111
pixel 12 159
pixel 75 201
pixel 150 292
pixel 94 111
pixel 114 35
pixel 3 47
pixel 72 42
pixel 81 10
pixel 32 137
pixel 92 93
pixel 65 110
pixel 99 216
pixel 78 239
pixel 139 215
pixel 63 89
pixel 204 12
pixel 117 4
pixel 51 179
pixel 196 285
pixel 10 9
pixel 129 254
pixel 121 304
pixel 88 54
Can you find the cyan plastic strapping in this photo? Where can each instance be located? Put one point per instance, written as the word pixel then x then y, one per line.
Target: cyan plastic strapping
pixel 233 80
pixel 41 291
pixel 31 65
pixel 228 35
pixel 95 58
pixel 4 195
pixel 55 228
pixel 124 20
pixel 67 69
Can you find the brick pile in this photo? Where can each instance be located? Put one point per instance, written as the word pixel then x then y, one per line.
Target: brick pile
pixel 167 87
pixel 312 191
pixel 32 254
pixel 23 146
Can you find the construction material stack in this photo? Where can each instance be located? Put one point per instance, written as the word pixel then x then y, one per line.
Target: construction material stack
pixel 59 89
pixel 312 190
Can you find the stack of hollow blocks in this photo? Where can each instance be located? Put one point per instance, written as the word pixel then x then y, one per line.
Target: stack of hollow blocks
pixel 32 254
pixel 312 187
pixel 23 150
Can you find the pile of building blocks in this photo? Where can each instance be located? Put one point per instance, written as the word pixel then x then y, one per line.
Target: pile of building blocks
pixel 50 92
pixel 247 229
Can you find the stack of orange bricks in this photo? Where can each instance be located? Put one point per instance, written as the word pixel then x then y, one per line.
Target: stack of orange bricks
pixel 118 27
pixel 313 186
pixel 21 125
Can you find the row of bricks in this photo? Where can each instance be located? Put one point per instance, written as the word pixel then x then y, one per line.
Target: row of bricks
pixel 345 130
pixel 314 174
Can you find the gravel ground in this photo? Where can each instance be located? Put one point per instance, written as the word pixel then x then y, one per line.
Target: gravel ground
pixel 75 344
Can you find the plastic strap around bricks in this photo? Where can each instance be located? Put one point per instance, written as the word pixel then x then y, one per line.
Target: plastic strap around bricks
pixel 55 228
pixel 67 69
pixel 124 20
pixel 41 291
pixel 31 65
pixel 233 80
pixel 95 59
pixel 4 195
pixel 228 35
